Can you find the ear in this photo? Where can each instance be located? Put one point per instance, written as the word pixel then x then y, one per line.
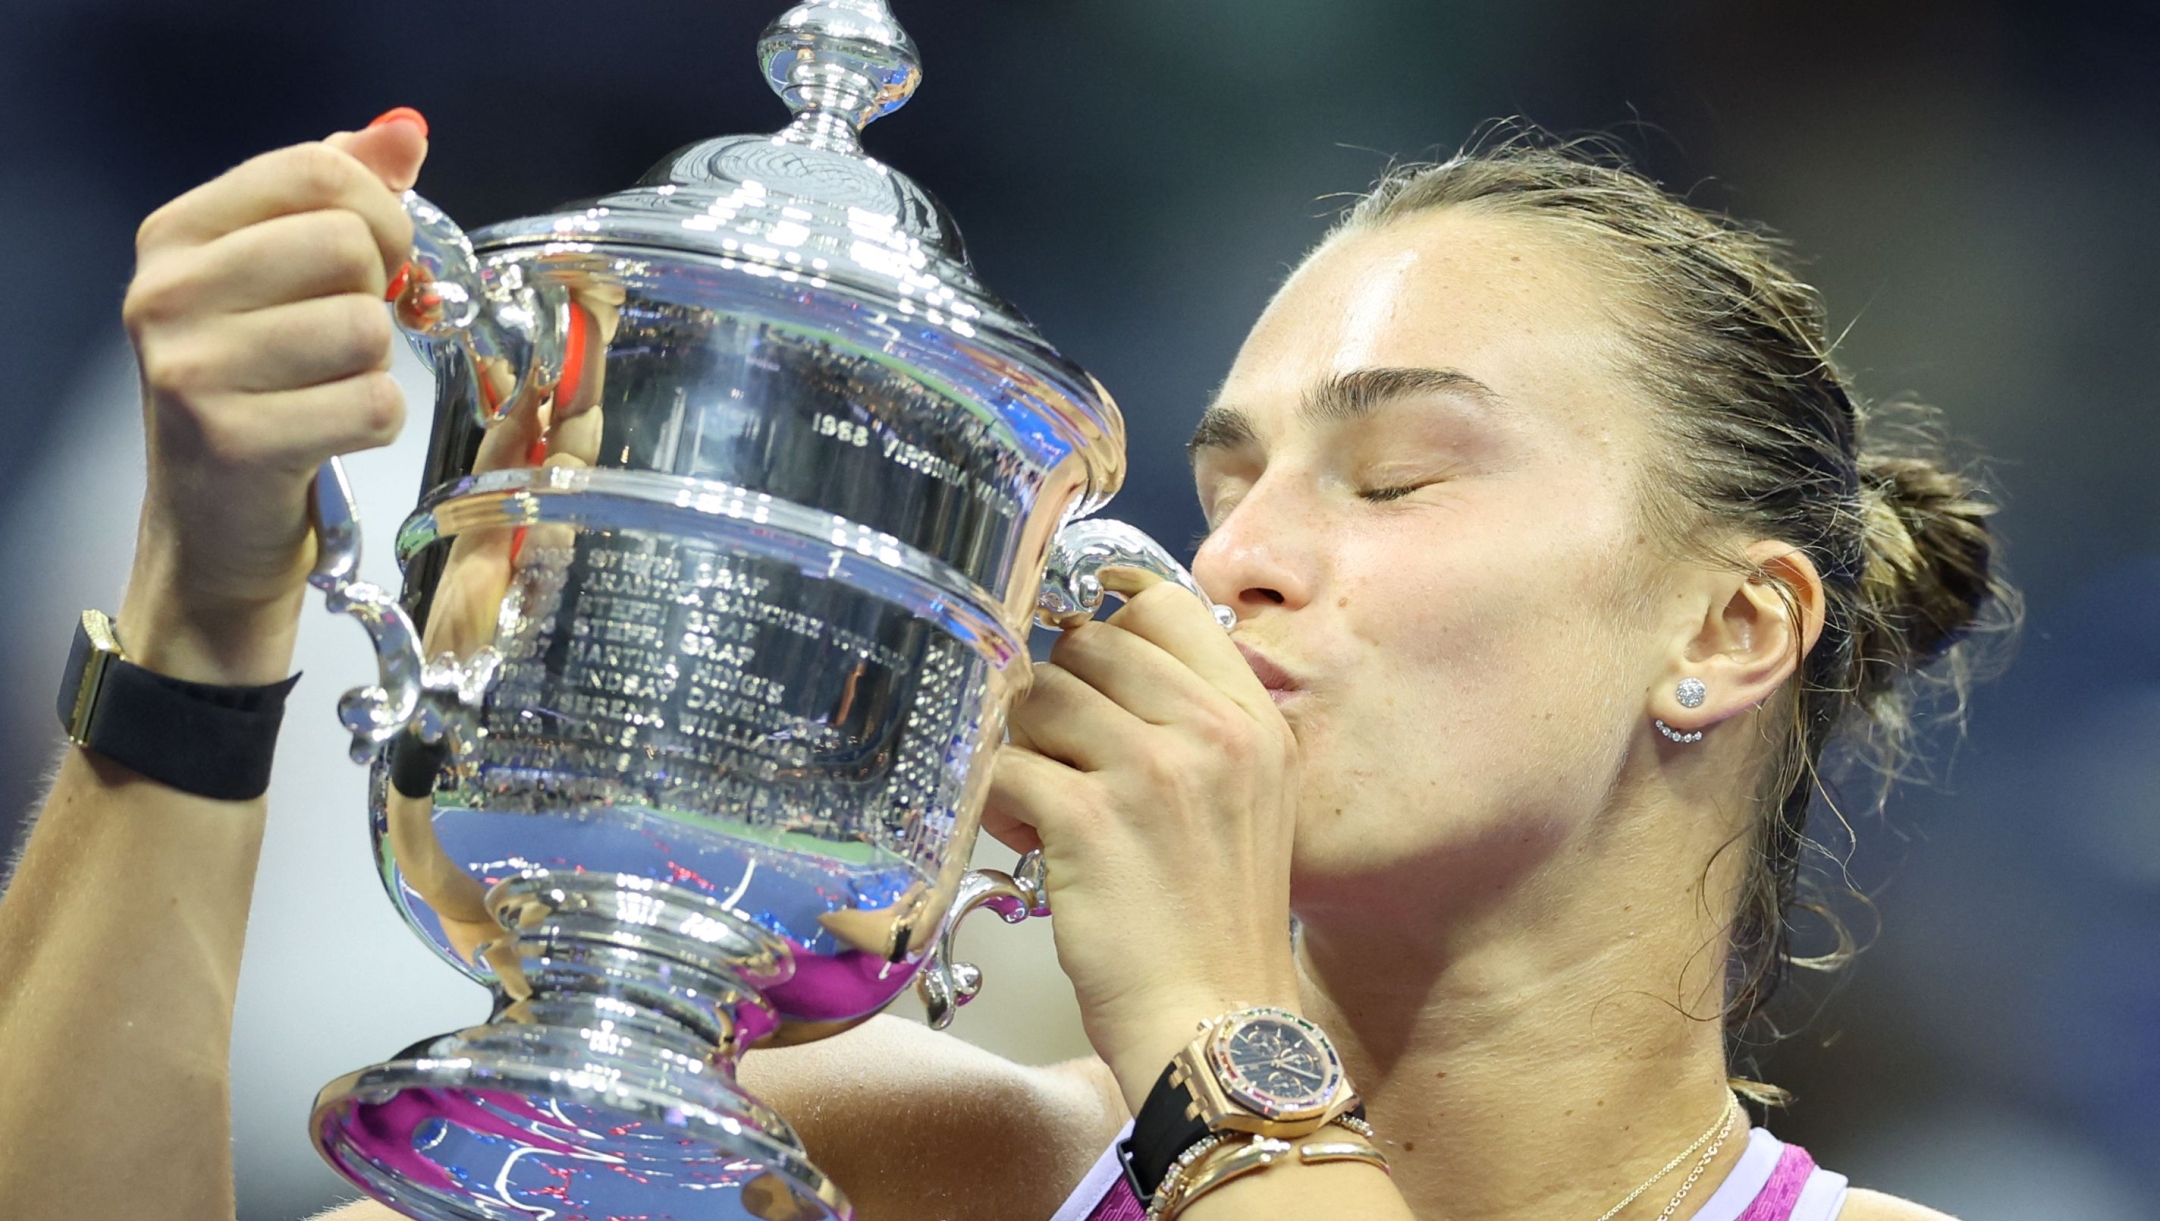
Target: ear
pixel 1754 631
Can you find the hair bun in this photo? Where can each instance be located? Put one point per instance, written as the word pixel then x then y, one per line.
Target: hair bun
pixel 1926 576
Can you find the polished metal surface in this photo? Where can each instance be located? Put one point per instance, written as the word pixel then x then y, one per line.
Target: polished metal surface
pixel 426 698
pixel 1072 591
pixel 946 983
pixel 737 513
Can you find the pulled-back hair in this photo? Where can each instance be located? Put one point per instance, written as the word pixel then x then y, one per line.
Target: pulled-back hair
pixel 1768 441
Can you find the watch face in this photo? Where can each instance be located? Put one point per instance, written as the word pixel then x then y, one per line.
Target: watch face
pixel 1276 1063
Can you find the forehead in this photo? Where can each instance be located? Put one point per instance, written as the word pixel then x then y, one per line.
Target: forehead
pixel 1507 301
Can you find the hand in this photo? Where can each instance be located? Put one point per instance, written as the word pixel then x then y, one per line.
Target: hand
pixel 1156 775
pixel 257 318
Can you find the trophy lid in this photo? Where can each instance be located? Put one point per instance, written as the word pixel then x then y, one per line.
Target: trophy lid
pixel 807 205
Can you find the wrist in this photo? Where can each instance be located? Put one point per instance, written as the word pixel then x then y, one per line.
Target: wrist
pixel 206 638
pixel 1146 1047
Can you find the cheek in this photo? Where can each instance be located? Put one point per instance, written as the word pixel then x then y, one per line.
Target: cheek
pixel 1484 646
pixel 1516 600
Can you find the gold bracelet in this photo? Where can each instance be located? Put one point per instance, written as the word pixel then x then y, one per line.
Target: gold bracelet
pixel 1343 1151
pixel 1215 1159
pixel 1217 1165
pixel 1166 1190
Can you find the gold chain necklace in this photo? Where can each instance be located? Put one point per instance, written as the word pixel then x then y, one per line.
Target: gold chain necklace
pixel 1718 1130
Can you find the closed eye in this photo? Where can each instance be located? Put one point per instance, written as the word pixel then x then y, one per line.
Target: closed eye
pixel 1383 495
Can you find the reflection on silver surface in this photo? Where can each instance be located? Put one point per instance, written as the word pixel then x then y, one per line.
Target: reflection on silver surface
pixel 1072 585
pixel 377 713
pixel 946 983
pixel 738 506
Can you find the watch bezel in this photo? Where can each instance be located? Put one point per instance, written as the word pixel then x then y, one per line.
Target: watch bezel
pixel 1236 1084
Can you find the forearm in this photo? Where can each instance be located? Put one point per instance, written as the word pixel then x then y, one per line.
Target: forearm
pixel 120 940
pixel 120 944
pixel 257 324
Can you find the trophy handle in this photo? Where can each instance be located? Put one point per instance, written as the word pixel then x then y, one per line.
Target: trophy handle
pixel 431 698
pixel 1071 589
pixel 944 984
pixel 512 332
pixel 373 714
pixel 1071 594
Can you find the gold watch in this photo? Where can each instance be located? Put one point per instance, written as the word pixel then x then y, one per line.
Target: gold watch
pixel 1266 1071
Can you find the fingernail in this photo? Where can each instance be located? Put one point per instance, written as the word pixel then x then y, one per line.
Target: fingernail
pixel 402 114
pixel 397 283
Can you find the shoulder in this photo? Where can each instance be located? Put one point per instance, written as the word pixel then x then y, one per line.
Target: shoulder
pixel 1864 1205
pixel 915 1125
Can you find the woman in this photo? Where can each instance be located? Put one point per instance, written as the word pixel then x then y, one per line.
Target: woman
pixel 1558 559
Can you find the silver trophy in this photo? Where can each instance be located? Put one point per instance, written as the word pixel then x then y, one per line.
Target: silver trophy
pixel 742 496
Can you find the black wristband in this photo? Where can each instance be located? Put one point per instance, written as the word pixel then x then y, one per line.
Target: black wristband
pixel 199 738
pixel 1162 1130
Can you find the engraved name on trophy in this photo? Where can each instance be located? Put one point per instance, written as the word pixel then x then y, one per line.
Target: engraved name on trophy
pixel 742 496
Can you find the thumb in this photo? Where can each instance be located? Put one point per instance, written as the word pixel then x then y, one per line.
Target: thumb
pixel 393 146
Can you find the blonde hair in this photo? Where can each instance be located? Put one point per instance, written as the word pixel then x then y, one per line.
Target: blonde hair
pixel 1770 443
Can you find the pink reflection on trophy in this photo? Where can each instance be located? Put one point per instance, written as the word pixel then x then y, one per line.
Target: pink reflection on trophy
pixel 383 1131
pixel 840 984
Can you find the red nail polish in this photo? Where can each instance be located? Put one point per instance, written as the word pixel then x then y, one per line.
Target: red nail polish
pixel 397 283
pixel 402 114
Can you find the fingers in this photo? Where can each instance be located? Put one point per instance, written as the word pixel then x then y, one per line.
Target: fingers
pixel 293 430
pixel 306 343
pixel 285 258
pixel 1170 618
pixel 1002 821
pixel 469 595
pixel 578 437
pixel 393 147
pixel 1027 790
pixel 1072 722
pixel 1131 671
pixel 509 441
pixel 302 178
pixel 575 423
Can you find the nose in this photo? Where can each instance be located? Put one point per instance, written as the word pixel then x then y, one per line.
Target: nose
pixel 1264 554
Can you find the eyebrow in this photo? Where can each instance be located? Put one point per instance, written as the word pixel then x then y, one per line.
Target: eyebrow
pixel 1341 399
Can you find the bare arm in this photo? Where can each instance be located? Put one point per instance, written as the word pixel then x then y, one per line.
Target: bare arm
pixel 120 935
pixel 919 1126
pixel 119 950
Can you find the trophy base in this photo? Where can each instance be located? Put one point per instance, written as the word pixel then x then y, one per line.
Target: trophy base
pixel 468 1129
pixel 605 1089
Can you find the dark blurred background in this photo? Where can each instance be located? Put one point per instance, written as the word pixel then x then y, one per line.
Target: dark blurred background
pixel 1971 183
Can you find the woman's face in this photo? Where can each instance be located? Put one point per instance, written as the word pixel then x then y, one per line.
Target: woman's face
pixel 1422 480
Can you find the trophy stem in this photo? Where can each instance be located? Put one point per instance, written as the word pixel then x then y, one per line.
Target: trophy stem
pixel 606 1072
pixel 679 965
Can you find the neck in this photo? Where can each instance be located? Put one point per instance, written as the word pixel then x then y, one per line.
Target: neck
pixel 1543 1056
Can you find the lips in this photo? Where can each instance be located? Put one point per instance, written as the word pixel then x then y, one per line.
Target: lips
pixel 1277 680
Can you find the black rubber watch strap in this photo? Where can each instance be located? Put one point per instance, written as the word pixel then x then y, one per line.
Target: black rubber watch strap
pixel 199 738
pixel 1161 1131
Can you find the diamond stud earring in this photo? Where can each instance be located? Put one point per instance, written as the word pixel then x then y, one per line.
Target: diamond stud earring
pixel 1691 692
pixel 1677 736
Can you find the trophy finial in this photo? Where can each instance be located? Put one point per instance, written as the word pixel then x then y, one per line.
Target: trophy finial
pixel 839 59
